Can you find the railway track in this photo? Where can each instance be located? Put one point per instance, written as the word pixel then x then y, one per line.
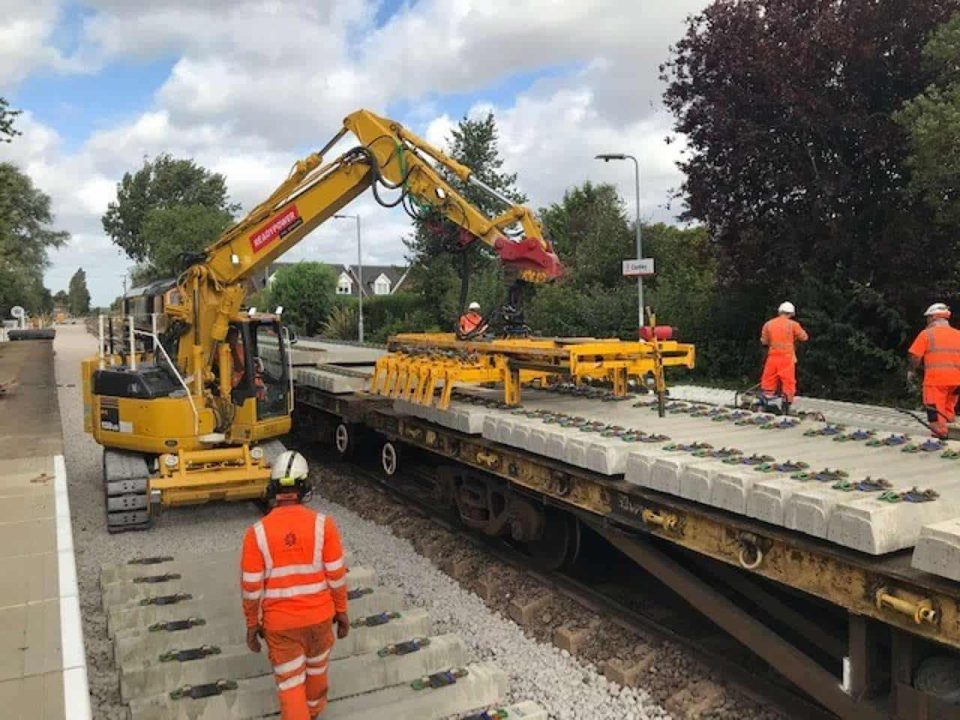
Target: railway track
pixel 631 603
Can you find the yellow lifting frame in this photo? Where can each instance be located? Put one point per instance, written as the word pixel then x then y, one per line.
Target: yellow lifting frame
pixel 420 363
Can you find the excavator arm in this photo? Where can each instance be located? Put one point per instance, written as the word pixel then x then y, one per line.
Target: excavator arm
pixel 389 156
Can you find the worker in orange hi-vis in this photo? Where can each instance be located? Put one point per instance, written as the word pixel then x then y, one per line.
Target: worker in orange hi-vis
pixel 937 349
pixel 294 590
pixel 780 336
pixel 471 322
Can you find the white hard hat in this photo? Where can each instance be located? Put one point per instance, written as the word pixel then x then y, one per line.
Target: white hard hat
pixel 473 306
pixel 937 309
pixel 787 307
pixel 289 464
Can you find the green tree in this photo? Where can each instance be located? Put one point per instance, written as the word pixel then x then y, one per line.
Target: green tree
pixel 591 236
pixel 25 239
pixel 932 122
pixel 162 183
pixel 172 234
pixel 306 291
pixel 590 233
pixel 78 296
pixel 442 269
pixel 61 299
pixel 7 131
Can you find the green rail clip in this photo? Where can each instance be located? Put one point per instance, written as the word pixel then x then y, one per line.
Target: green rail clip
pixel 177 625
pixel 359 593
pixel 889 441
pixel 153 579
pixel 196 692
pixel 404 648
pixel 375 620
pixel 197 653
pixel 855 436
pixel 155 560
pixel 914 495
pixel 826 431
pixel 826 475
pixel 440 679
pixel 166 599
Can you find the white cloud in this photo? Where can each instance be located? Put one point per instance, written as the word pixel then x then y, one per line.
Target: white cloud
pixel 257 83
pixel 24 34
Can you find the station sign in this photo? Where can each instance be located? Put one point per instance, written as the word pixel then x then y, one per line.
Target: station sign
pixel 642 267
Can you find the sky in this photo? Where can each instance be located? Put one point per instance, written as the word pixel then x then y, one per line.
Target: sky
pixel 247 88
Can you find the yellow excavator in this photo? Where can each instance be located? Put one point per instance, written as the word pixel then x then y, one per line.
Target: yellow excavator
pixel 192 415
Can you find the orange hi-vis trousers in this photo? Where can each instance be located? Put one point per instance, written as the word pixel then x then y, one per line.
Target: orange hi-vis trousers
pixel 780 368
pixel 300 657
pixel 941 403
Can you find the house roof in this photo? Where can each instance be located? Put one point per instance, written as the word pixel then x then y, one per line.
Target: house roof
pixel 395 273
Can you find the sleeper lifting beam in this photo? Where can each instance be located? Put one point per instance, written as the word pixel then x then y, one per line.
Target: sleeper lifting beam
pixel 420 365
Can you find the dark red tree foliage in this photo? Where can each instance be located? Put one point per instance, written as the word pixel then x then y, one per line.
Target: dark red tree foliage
pixel 794 162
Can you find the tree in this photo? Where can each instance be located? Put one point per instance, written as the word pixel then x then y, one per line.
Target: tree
pixel 590 233
pixel 306 291
pixel 61 299
pixel 797 167
pixel 932 121
pixel 592 236
pixel 172 234
pixel 25 238
pixel 78 297
pixel 162 183
pixel 441 268
pixel 7 131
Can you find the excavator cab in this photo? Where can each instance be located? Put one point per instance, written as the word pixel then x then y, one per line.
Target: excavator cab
pixel 251 376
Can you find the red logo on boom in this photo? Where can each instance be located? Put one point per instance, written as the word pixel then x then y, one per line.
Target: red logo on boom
pixel 286 221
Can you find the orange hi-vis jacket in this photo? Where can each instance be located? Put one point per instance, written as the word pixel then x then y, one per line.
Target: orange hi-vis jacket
pixel 781 334
pixel 292 570
pixel 470 321
pixel 939 347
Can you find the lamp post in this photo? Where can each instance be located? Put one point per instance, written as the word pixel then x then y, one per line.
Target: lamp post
pixel 359 274
pixel 607 157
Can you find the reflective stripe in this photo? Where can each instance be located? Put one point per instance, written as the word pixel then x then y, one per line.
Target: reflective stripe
pixel 317 659
pixel 287 570
pixel 252 595
pixel 295 590
pixel 264 548
pixel 292 682
pixel 253 577
pixel 333 566
pixel 290 665
pixel 318 541
pixel 336 583
pixel 317 671
pixel 314 703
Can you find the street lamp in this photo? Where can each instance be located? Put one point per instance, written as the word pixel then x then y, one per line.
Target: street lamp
pixel 359 274
pixel 607 157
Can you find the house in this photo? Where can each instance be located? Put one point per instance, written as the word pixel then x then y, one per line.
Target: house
pixel 377 279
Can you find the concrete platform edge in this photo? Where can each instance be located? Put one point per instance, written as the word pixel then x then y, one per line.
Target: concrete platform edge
pixel 76 691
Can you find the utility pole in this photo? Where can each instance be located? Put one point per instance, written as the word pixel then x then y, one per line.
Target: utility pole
pixel 607 157
pixel 359 274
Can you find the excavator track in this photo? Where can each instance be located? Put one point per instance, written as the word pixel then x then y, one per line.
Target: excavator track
pixel 126 489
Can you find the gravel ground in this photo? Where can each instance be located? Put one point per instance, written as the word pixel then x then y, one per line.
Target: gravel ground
pixel 537 671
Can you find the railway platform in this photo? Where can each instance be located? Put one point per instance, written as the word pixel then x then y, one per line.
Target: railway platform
pixel 43 670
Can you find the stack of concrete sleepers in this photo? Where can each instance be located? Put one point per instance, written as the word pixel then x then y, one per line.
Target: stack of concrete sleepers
pixel 179 642
pixel 334 378
pixel 859 487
